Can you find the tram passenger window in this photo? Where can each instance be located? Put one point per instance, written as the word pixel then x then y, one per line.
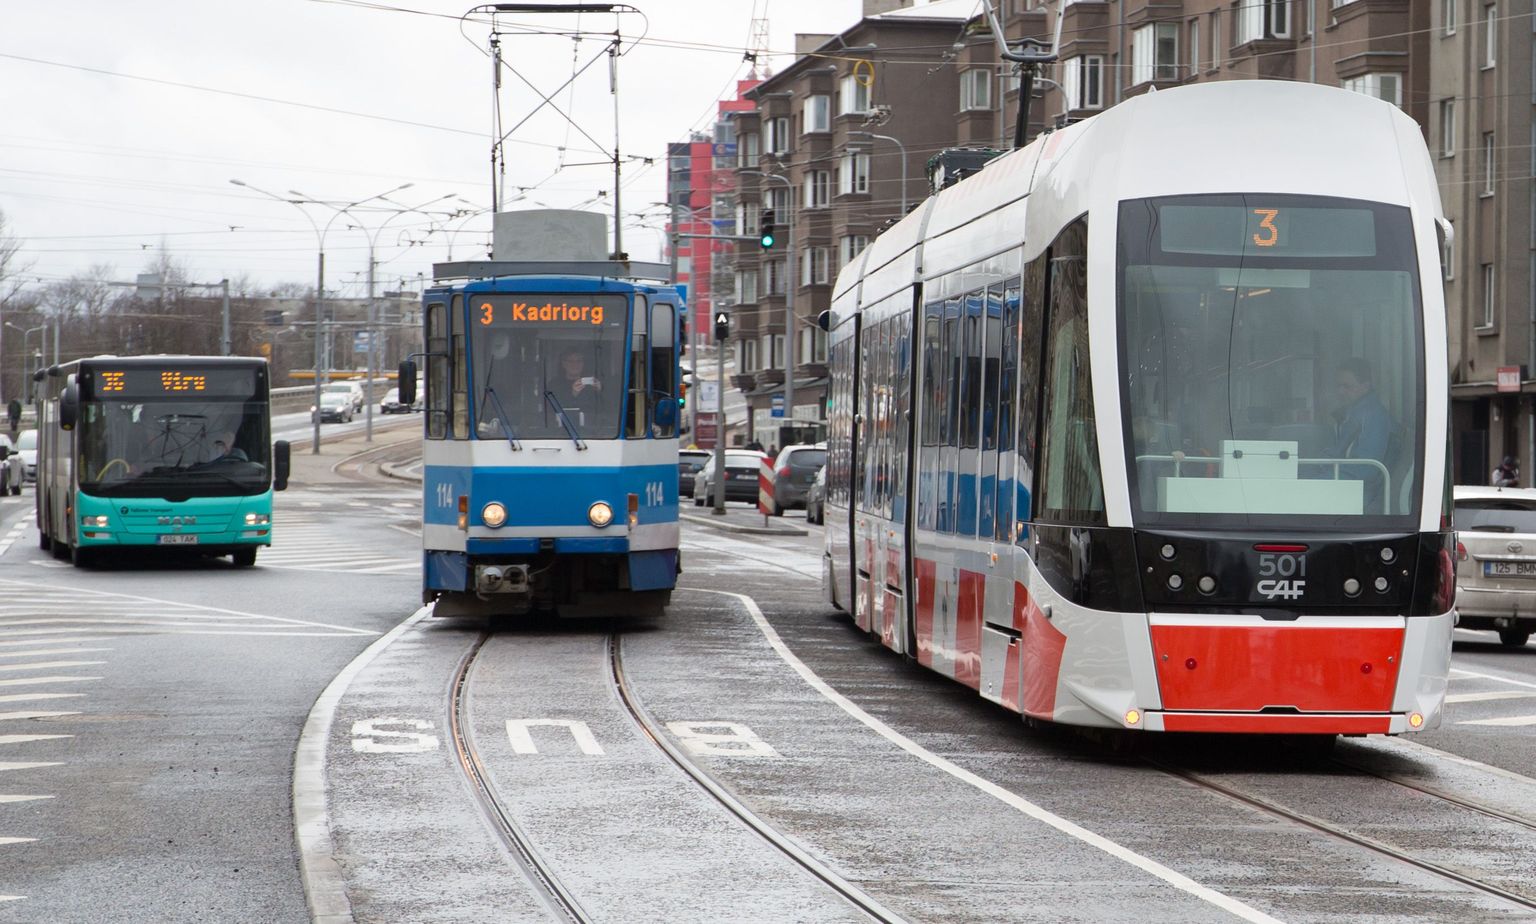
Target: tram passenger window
pixel 970 403
pixel 1031 299
pixel 459 362
pixel 954 361
pixel 903 359
pixel 437 399
pixel 1072 489
pixel 933 355
pixel 663 366
pixel 1007 395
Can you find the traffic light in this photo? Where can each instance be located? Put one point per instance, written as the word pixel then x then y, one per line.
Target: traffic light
pixel 722 325
pixel 768 229
pixel 682 395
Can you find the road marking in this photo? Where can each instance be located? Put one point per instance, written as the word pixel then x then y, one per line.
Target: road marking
pixel 29 697
pixel 26 681
pixel 5 716
pixel 57 651
pixel 47 664
pixel 1512 721
pixel 29 765
pixel 1146 864
pixel 5 799
pixel 23 739
pixel 721 739
pixel 1486 697
pixel 1518 683
pixel 15 840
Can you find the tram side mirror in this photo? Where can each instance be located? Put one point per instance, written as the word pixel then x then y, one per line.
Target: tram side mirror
pixel 69 406
pixel 824 320
pixel 407 383
pixel 280 454
pixel 665 413
pixel 5 453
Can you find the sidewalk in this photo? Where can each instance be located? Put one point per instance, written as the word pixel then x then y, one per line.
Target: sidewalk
pixel 393 440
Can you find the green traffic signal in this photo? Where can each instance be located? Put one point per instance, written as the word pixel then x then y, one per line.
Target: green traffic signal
pixel 767 241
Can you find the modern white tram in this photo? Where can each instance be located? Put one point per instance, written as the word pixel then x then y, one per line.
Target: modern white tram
pixel 1144 425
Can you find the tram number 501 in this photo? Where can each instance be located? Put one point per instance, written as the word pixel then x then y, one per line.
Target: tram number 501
pixel 1282 576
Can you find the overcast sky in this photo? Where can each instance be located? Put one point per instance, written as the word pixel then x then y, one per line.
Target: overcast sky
pixel 125 120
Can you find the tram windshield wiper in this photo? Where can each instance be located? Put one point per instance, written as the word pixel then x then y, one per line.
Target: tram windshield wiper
pixel 565 419
pixel 501 417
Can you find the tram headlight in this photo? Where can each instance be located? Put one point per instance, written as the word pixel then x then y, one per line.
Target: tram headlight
pixel 600 514
pixel 493 514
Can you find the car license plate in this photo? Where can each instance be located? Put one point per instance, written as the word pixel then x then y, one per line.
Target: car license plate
pixel 1509 568
pixel 742 476
pixel 178 539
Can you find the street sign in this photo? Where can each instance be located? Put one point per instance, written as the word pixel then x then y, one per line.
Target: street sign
pixel 361 340
pixel 778 406
pixel 1509 378
pixel 709 397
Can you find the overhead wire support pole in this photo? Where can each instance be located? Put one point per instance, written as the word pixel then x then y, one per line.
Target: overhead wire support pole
pixel 1031 54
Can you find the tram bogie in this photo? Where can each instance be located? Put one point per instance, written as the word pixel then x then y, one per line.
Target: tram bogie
pixel 1151 443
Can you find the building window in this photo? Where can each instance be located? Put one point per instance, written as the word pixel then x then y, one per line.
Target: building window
pixel 1490 33
pixel 778 200
pixel 1194 47
pixel 818 188
pixel 1083 82
pixel 853 174
pixel 1488 163
pixel 1215 31
pixel 813 266
pixel 1448 16
pixel 852 96
pixel 1448 128
pixel 817 114
pixel 1155 53
pixel 975 89
pixel 813 346
pixel 778 135
pixel 1388 87
pixel 848 247
pixel 747 216
pixel 746 287
pixel 772 278
pixel 1261 19
pixel 1488 295
pixel 747 150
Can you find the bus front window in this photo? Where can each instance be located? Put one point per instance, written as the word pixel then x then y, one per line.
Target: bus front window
pixel 141 449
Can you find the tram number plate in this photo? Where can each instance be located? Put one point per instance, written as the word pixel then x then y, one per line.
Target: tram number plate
pixel 1509 568
pixel 178 539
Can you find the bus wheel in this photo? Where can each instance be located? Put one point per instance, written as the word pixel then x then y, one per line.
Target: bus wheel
pixel 244 558
pixel 82 557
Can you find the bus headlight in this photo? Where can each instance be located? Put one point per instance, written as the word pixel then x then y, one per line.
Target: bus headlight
pixel 94 521
pixel 493 514
pixel 257 519
pixel 600 514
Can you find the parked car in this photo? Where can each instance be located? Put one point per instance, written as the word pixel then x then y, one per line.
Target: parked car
pixel 334 405
pixel 352 390
pixel 689 461
pixel 793 472
pixel 1496 561
pixel 815 511
pixel 13 471
pixel 390 403
pixel 26 445
pixel 741 469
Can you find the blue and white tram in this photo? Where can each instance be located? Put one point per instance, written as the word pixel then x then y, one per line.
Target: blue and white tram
pixel 550 450
pixel 1144 425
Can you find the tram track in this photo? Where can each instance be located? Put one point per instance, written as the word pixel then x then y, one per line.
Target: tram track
pixel 1339 832
pixel 551 891
pixel 654 733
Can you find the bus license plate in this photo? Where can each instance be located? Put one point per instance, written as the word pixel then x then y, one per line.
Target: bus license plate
pixel 1509 568
pixel 179 539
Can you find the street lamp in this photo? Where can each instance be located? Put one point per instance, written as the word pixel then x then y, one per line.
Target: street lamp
pixel 789 293
pixel 26 335
pixel 903 149
pixel 373 238
pixel 320 233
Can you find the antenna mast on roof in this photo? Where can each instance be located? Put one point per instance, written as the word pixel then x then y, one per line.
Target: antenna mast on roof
pixel 1029 54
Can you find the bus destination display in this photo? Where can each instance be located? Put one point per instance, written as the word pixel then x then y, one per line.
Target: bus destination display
pixel 136 384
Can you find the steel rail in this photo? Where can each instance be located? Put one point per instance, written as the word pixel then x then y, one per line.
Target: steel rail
pixel 552 892
pixel 1431 791
pixel 785 844
pixel 1360 840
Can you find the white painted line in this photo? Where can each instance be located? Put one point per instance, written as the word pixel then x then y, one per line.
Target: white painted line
pixel 51 641
pixel 47 664
pixel 1486 697
pixel 208 609
pixel 1519 683
pixel 15 840
pixel 57 651
pixel 108 624
pixel 325 888
pixel 6 799
pixel 1172 877
pixel 27 681
pixel 23 739
pixel 30 697
pixel 1512 721
pixel 30 765
pixel 6 716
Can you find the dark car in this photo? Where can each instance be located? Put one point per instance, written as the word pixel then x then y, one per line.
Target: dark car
pixel 793 472
pixel 741 471
pixel 689 461
pixel 335 406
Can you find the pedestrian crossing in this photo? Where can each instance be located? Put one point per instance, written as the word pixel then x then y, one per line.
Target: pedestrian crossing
pixel 1520 695
pixel 305 542
pixel 40 614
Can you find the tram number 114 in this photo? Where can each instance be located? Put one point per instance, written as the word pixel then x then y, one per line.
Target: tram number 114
pixel 655 494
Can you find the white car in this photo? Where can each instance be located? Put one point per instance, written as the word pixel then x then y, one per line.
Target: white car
pixel 13 471
pixel 26 445
pixel 352 390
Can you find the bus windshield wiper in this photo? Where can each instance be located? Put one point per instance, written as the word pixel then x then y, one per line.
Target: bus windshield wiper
pixel 565 419
pixel 501 417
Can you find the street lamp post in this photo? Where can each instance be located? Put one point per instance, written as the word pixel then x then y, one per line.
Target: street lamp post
pixel 903 148
pixel 789 294
pixel 320 233
pixel 26 337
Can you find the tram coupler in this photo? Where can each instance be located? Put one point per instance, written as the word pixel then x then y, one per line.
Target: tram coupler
pixel 501 579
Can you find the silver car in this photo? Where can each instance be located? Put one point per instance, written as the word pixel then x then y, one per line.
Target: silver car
pixel 1496 561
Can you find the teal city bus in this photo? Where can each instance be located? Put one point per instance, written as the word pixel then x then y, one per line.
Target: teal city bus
pixel 156 452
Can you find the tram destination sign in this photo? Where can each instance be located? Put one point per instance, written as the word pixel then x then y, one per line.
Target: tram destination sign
pixel 140 383
pixel 545 310
pixel 1266 229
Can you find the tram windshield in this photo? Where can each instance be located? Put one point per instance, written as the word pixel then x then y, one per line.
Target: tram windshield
pixel 535 357
pixel 1274 361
